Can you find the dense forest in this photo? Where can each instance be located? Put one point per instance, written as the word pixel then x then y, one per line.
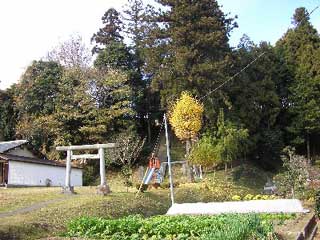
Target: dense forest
pixel 144 58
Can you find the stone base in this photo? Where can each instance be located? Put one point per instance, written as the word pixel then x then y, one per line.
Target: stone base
pixel 103 190
pixel 68 190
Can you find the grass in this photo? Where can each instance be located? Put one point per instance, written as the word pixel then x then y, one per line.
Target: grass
pixel 52 219
pixel 15 198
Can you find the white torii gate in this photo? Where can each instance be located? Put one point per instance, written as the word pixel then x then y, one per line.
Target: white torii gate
pixel 103 188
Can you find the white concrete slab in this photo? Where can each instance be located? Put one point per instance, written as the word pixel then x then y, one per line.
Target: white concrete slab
pixel 253 206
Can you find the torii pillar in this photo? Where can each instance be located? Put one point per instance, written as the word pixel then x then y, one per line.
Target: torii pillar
pixel 103 188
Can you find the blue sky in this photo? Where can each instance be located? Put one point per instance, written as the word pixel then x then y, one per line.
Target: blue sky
pixel 266 20
pixel 29 29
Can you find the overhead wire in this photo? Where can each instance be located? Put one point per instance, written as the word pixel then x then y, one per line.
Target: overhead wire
pixel 247 66
pixel 231 78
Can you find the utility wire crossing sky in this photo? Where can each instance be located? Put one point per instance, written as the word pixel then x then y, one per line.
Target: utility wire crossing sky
pixel 30 29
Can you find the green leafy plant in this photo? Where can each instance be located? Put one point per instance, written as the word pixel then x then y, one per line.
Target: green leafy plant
pixel 221 227
pixel 295 172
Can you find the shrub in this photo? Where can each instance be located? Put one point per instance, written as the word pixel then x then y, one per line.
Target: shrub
pixel 89 175
pixel 253 197
pixel 236 198
pixel 295 174
pixel 248 197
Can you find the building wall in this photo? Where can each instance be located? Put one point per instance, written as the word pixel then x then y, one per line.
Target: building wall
pixel 32 174
pixel 21 151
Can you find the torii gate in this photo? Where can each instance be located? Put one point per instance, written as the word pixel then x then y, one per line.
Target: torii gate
pixel 103 188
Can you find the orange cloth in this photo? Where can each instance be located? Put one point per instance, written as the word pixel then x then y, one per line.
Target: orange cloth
pixel 154 162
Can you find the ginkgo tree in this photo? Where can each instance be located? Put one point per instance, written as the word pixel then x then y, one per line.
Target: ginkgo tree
pixel 185 117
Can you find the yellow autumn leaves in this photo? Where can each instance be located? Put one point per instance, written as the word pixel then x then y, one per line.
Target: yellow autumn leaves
pixel 185 116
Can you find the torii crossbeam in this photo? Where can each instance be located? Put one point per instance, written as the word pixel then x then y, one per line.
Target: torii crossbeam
pixel 103 188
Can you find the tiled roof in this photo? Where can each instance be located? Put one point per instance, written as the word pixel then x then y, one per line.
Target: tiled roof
pixel 8 145
pixel 9 157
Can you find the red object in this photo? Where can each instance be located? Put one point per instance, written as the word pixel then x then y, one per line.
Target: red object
pixel 154 162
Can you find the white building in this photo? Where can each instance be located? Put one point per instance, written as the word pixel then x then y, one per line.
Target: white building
pixel 21 167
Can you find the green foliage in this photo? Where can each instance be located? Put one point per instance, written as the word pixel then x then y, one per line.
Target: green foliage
pixel 295 172
pixel 255 99
pixel 224 145
pixel 37 90
pixel 300 48
pixel 110 32
pixel 249 197
pixel 108 105
pixel 72 106
pixel 7 116
pixel 115 55
pixel 204 152
pixel 230 140
pixel 90 175
pixel 180 47
pixel 247 226
pixel 126 172
pixel 190 44
pixel 35 102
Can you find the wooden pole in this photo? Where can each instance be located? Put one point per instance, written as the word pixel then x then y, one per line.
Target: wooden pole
pixel 169 159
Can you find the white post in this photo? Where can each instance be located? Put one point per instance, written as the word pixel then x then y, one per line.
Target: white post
pixel 68 169
pixel 102 168
pixel 169 159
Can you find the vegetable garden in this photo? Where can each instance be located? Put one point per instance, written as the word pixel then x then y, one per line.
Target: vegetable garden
pixel 224 227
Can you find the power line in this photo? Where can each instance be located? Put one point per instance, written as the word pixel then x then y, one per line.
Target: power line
pixel 235 75
pixel 243 69
pixel 313 10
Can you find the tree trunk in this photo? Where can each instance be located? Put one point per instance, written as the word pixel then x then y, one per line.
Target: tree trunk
pixel 292 192
pixel 308 149
pixel 189 168
pixel 189 173
pixel 200 170
pixel 225 170
pixel 188 147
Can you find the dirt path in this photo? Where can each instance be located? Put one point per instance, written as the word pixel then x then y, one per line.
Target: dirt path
pixel 33 207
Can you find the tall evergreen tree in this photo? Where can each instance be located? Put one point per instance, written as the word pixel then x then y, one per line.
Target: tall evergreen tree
pixel 137 27
pixel 110 32
pixel 116 55
pixel 255 102
pixel 191 44
pixel 300 48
